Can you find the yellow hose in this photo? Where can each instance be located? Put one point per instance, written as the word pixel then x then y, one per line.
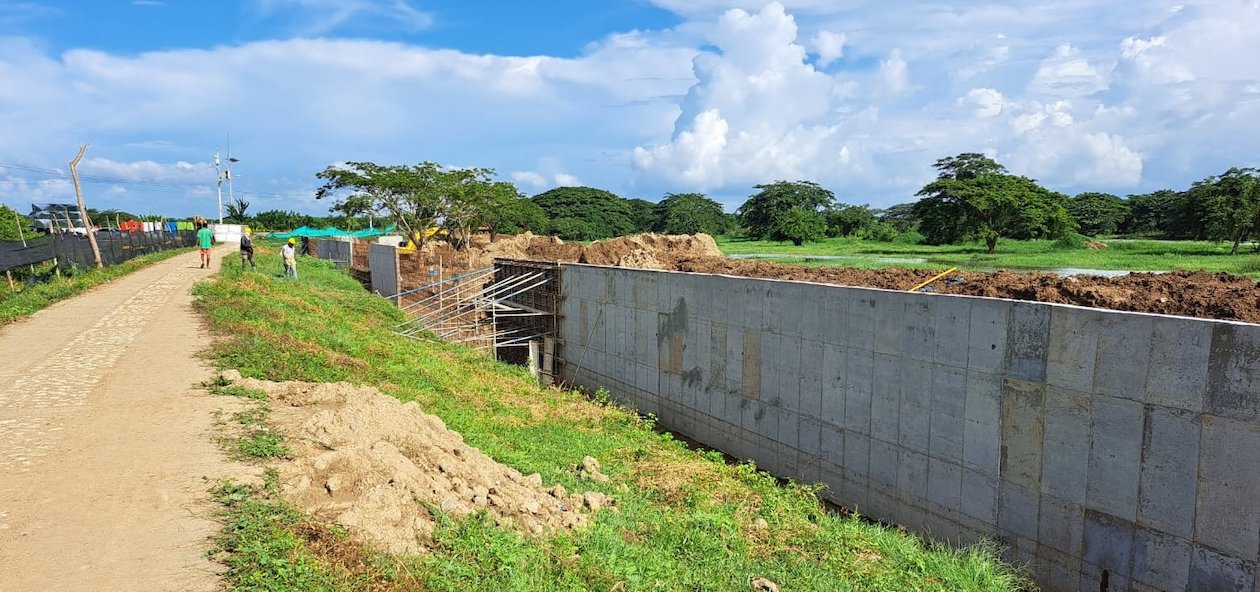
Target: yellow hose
pixel 934 278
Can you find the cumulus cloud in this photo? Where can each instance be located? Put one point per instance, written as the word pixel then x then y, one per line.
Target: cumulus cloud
pixel 567 180
pixel 829 47
pixel 529 180
pixel 987 102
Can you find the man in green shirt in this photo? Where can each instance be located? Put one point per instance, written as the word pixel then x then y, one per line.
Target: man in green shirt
pixel 205 240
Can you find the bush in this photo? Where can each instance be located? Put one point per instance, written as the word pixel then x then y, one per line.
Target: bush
pixel 572 229
pixel 878 231
pixel 1071 240
pixel 909 238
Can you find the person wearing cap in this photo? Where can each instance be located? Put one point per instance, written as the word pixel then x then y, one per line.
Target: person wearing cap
pixel 289 256
pixel 247 250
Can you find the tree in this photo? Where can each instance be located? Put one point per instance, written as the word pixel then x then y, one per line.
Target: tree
pixel 900 216
pixel 413 195
pixel 1098 213
pixel 689 213
pixel 800 225
pixel 282 220
pixel 974 197
pixel 643 214
pixel 765 214
pixel 603 214
pixel 572 229
pixel 1162 212
pixel 1226 207
pixel 465 196
pixel 11 222
pixel 847 220
pixel 513 214
pixel 236 211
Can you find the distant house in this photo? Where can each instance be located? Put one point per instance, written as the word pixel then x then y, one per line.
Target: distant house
pixel 49 218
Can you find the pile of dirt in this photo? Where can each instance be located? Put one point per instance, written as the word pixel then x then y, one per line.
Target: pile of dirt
pixel 650 251
pixel 1182 293
pixel 381 468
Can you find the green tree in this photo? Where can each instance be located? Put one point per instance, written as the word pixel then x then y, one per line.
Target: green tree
pixel 1226 207
pixel 800 225
pixel 237 212
pixel 974 197
pixel 572 229
pixel 514 214
pixel 10 222
pixel 1161 212
pixel 282 220
pixel 765 214
pixel 413 195
pixel 900 216
pixel 1098 213
pixel 603 214
pixel 643 214
pixel 847 220
pixel 690 213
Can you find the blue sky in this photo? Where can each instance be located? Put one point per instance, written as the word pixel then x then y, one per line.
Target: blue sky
pixel 641 97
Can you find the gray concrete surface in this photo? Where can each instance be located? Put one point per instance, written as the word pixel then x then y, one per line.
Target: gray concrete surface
pixel 337 251
pixel 383 261
pixel 1093 444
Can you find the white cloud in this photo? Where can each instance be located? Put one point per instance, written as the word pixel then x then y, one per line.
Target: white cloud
pixel 567 180
pixel 895 73
pixel 829 47
pixel 1067 74
pixel 529 179
pixel 319 17
pixel 987 102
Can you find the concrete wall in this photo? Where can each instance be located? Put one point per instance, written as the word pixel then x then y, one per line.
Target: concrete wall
pixel 1087 441
pixel 334 250
pixel 383 261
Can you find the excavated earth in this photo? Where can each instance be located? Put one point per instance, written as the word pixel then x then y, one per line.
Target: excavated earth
pixel 1184 293
pixel 383 469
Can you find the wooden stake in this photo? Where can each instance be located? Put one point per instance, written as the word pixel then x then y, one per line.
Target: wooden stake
pixel 78 194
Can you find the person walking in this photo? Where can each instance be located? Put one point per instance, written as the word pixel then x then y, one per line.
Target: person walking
pixel 205 240
pixel 289 256
pixel 306 246
pixel 247 250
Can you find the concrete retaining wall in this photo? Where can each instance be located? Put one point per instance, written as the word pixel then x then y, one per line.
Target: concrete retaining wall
pixel 383 261
pixel 1089 442
pixel 337 251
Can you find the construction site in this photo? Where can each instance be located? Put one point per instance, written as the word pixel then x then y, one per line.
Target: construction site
pixel 1105 431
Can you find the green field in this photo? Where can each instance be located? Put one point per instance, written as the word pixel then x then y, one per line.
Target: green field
pixel 1135 255
pixel 688 519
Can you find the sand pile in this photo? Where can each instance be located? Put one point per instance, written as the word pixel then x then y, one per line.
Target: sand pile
pixel 380 468
pixel 650 251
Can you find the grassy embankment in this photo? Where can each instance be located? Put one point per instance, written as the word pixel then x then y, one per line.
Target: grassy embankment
pixel 30 299
pixel 687 521
pixel 1137 255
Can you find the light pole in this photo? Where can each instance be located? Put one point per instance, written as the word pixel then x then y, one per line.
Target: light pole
pixel 220 175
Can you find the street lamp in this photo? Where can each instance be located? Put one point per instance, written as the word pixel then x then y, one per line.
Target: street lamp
pixel 220 176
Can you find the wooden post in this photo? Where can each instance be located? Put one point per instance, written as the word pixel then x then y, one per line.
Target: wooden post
pixel 549 360
pixel 21 235
pixel 9 274
pixel 534 359
pixel 78 194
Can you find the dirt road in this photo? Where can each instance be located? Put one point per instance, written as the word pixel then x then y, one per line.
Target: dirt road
pixel 105 443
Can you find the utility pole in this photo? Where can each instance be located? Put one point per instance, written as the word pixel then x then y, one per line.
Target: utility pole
pixel 222 175
pixel 78 194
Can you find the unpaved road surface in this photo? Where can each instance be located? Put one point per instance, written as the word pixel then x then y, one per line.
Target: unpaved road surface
pixel 106 443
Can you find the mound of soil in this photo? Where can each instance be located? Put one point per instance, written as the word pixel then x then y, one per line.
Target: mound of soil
pixel 381 468
pixel 650 251
pixel 1183 293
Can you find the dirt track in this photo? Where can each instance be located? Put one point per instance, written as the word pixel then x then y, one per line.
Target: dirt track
pixel 105 442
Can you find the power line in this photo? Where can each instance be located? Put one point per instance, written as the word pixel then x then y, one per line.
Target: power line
pixel 98 179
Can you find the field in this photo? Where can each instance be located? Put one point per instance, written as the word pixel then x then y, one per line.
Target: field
pixel 687 519
pixel 1120 255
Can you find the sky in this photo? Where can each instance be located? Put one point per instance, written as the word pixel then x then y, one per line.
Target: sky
pixel 640 97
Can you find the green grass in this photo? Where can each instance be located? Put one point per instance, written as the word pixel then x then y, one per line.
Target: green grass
pixel 687 520
pixel 1137 255
pixel 14 306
